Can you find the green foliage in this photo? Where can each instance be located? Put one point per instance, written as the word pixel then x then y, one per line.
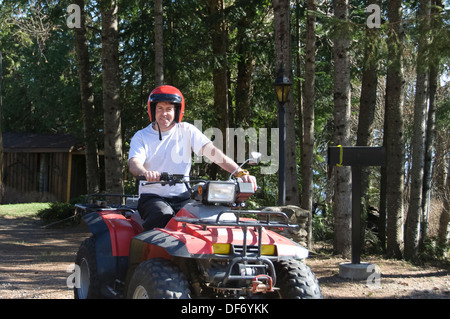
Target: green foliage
pixel 443 111
pixel 372 243
pixel 56 212
pixel 433 250
pixel 40 81
pixel 40 87
pixel 322 228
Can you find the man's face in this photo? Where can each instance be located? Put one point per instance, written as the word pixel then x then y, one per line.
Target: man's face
pixel 165 114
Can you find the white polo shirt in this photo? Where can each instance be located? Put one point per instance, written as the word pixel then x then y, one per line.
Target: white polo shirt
pixel 172 154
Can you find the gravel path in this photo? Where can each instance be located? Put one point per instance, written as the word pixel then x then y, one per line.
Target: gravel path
pixel 34 262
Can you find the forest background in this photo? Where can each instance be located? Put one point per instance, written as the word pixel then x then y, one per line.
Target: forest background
pixel 372 73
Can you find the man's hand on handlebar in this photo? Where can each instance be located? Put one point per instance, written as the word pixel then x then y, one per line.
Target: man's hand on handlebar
pixel 250 179
pixel 152 176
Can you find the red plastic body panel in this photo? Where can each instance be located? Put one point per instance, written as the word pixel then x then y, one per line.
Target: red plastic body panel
pixel 153 251
pixel 200 240
pixel 121 230
pixel 196 240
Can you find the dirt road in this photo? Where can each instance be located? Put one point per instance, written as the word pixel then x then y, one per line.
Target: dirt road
pixel 34 262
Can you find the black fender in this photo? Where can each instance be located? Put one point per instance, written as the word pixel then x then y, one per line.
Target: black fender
pixel 160 243
pixel 111 249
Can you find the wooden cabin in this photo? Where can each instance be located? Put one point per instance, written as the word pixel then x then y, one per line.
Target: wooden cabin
pixel 42 167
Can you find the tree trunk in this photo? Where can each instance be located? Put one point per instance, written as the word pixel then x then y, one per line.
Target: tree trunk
pixel 283 57
pixel 443 234
pixel 244 92
pixel 245 69
pixel 308 107
pixel 440 164
pixel 87 105
pixel 394 132
pixel 368 99
pixel 343 186
pixel 418 140
pixel 368 103
pixel 159 42
pixel 219 46
pixel 299 67
pixel 429 150
pixel 1 135
pixel 111 97
pixel 435 24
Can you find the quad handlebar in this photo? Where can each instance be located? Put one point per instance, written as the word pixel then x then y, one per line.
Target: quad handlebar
pixel 166 179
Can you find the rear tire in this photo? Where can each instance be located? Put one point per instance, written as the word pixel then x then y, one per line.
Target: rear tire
pixel 297 281
pixel 158 279
pixel 87 284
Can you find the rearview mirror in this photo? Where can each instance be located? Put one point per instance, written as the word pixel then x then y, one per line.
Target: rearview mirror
pixel 255 158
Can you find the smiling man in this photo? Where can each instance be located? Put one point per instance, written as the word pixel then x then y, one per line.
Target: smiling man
pixel 166 145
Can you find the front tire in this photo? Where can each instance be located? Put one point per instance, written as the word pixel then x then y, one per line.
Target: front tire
pixel 297 281
pixel 158 279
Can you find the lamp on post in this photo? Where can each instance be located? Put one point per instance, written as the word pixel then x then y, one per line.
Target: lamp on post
pixel 282 87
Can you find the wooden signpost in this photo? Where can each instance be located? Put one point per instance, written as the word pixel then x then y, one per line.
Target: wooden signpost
pixel 356 157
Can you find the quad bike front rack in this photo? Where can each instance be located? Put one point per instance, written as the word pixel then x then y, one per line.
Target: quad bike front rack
pixel 260 283
pixel 244 224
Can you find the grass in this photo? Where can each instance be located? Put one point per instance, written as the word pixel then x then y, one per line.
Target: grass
pixel 22 210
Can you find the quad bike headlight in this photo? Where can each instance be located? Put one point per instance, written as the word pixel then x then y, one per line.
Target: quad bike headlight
pixel 221 192
pixel 222 249
pixel 268 250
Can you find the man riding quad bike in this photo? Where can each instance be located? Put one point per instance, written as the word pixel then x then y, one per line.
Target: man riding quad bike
pixel 211 248
pixel 185 241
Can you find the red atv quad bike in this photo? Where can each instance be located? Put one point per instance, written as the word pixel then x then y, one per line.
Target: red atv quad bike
pixel 210 249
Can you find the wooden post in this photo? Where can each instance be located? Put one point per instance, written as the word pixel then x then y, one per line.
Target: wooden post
pixel 1 137
pixel 69 177
pixel 356 214
pixel 356 157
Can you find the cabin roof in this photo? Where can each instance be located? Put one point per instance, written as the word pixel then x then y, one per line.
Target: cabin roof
pixel 37 142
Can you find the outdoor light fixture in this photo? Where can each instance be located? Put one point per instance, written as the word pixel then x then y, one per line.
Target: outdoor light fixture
pixel 282 87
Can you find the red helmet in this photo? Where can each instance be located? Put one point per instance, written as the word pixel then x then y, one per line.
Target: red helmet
pixel 166 93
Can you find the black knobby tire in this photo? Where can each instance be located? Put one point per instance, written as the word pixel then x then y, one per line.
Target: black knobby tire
pixel 297 281
pixel 158 279
pixel 87 284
